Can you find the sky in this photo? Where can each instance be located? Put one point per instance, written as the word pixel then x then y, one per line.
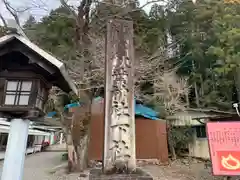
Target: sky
pixel 40 8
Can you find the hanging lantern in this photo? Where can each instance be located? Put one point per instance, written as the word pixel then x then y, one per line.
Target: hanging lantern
pixel 26 75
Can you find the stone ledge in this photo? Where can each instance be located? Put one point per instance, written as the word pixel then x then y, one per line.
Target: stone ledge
pixel 97 174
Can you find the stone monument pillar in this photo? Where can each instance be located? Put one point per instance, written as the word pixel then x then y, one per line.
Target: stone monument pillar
pixel 119 159
pixel 119 136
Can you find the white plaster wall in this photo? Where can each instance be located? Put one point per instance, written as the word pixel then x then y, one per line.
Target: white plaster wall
pixel 52 138
pixel 199 147
pixel 187 118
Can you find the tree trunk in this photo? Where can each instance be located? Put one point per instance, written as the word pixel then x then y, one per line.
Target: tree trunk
pixel 196 94
pixel 172 151
pixel 202 88
pixel 72 156
pixel 171 147
pixel 195 87
pixel 187 99
pixel 170 141
pixel 237 83
pixel 83 152
pixel 66 123
pixel 81 119
pixel 72 163
pixel 80 134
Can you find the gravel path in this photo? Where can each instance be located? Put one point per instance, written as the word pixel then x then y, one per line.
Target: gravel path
pixel 180 171
pixel 175 172
pixel 40 166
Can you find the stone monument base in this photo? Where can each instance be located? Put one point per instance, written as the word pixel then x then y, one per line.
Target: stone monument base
pixel 139 174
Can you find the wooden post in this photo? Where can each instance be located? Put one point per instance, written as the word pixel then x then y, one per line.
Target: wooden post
pixel 61 138
pixel 52 141
pixel 119 128
pixel 15 153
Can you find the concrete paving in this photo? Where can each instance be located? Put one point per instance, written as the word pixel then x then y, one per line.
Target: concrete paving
pixel 57 147
pixel 44 166
pixel 39 166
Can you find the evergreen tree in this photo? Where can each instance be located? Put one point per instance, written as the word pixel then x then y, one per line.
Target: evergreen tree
pixel 30 22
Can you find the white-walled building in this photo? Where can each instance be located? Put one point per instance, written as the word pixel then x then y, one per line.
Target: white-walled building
pixel 37 135
pixel 197 119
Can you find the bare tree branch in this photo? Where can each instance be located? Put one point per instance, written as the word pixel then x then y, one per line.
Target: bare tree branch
pixel 169 89
pixel 69 8
pixel 39 4
pixel 3 20
pixel 12 11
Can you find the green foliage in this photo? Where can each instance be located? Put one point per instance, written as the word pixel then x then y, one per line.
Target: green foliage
pixel 58 100
pixel 151 29
pixel 64 157
pixel 180 136
pixel 55 33
pixel 227 46
pixel 207 36
pixel 2 31
pixel 31 21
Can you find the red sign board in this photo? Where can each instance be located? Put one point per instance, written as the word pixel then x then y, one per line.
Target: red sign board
pixel 224 145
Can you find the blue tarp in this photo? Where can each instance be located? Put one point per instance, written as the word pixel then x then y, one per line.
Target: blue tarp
pixel 71 105
pixel 98 98
pixel 140 110
pixel 146 112
pixel 51 114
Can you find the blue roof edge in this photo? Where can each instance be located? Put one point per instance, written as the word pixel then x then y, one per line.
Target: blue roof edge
pixel 140 110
